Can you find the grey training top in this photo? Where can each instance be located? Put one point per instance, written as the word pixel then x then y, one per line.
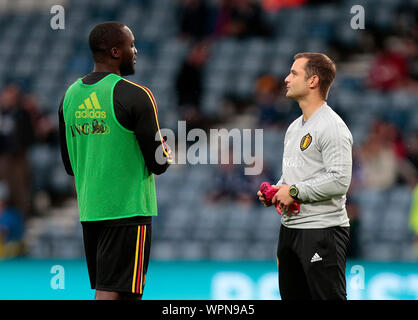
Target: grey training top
pixel 317 158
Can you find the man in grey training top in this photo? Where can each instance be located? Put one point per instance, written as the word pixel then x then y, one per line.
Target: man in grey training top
pixel 316 173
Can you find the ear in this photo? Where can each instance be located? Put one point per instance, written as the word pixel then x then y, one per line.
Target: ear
pixel 115 53
pixel 314 82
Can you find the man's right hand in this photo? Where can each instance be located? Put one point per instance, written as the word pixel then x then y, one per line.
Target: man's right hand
pixel 263 200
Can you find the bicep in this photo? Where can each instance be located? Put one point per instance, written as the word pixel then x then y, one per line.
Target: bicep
pixel 336 147
pixel 337 156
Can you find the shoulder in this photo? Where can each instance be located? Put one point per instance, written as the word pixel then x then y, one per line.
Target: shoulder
pixel 294 124
pixel 330 119
pixel 70 91
pixel 135 95
pixel 135 89
pixel 332 125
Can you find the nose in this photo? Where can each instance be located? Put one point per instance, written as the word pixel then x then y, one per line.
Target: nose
pixel 286 80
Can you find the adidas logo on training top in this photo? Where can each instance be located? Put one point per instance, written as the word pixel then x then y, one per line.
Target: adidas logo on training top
pixel 316 258
pixel 90 108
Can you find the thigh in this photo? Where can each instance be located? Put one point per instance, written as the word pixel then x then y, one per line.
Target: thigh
pixel 122 258
pixel 324 258
pixel 292 281
pixel 91 234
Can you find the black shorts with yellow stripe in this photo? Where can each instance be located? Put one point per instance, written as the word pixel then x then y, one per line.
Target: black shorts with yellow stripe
pixel 117 253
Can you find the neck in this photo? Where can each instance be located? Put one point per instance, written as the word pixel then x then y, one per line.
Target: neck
pixel 101 67
pixel 309 106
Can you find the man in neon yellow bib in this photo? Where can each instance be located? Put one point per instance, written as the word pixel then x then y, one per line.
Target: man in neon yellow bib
pixel 108 127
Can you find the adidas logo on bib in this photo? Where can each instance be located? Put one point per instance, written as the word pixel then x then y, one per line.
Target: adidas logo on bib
pixel 316 257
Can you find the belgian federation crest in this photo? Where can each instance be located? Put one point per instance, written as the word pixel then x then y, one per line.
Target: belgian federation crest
pixel 305 142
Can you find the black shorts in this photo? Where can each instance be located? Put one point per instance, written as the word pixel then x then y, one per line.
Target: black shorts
pixel 117 255
pixel 311 263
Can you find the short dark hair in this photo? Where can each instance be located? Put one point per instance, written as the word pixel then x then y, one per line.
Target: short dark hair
pixel 104 37
pixel 321 65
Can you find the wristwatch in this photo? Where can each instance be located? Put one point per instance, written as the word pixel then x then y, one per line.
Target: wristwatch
pixel 294 192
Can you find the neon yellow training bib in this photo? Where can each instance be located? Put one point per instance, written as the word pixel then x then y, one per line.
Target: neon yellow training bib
pixel 111 178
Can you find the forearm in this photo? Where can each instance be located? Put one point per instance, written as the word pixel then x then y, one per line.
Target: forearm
pixel 63 142
pixel 156 159
pixel 153 150
pixel 325 186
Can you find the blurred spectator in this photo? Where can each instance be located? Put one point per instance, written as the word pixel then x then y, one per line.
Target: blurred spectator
pixel 241 19
pixel 237 112
pixel 194 19
pixel 266 95
pixel 393 137
pixel 232 184
pixel 16 135
pixel 273 108
pixel 11 226
pixel 275 5
pixel 378 159
pixel 389 69
pixel 411 54
pixel 46 181
pixel 222 18
pixel 189 79
pixel 45 131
